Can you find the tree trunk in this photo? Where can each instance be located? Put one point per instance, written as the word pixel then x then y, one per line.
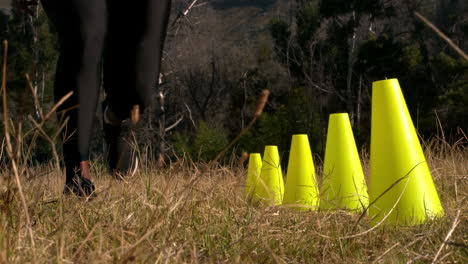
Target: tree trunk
pixel 358 107
pixel 349 94
pixel 162 130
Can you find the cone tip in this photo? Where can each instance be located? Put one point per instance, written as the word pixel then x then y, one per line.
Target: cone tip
pixel 270 149
pixel 300 136
pixel 384 81
pixel 338 118
pixel 338 115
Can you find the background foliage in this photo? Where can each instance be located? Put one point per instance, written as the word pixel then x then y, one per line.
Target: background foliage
pixel 316 57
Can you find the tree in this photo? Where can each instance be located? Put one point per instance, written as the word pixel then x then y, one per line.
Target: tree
pixel 337 48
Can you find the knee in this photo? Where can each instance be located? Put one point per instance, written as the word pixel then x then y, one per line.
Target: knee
pixel 84 48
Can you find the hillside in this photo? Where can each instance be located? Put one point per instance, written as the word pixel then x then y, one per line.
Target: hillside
pixel 240 20
pixel 238 16
pixel 227 4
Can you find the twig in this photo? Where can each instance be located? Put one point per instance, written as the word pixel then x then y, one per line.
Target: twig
pixel 37 129
pixel 190 115
pixel 386 252
pixel 174 125
pixel 19 142
pixel 60 102
pixel 184 13
pixel 189 8
pixel 258 112
pixel 128 254
pixel 83 243
pixel 442 35
pixel 1 148
pixel 449 234
pixel 54 107
pixel 36 101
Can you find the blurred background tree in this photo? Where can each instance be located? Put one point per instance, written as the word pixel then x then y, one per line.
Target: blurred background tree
pixel 32 49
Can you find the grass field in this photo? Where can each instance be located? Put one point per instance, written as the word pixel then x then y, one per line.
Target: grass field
pixel 174 215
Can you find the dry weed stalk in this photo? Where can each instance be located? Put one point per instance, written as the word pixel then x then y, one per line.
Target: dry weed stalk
pixel 11 155
pixel 14 143
pixel 258 112
pixel 263 99
pixel 38 127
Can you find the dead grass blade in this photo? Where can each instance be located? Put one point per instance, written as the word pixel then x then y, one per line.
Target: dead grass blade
pixel 364 212
pixel 449 234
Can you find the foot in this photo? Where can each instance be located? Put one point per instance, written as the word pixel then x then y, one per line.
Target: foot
pixel 120 157
pixel 81 184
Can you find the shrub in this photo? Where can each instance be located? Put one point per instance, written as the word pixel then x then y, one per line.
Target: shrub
pixel 205 144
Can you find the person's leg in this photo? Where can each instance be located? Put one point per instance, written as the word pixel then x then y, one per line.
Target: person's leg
pixel 133 53
pixel 132 62
pixel 81 26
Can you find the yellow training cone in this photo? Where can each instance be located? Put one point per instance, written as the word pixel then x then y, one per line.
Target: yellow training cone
pixel 400 185
pixel 253 174
pixel 270 185
pixel 301 185
pixel 343 183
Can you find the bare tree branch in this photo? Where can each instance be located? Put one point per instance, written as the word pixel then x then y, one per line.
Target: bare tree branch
pixel 442 35
pixel 175 124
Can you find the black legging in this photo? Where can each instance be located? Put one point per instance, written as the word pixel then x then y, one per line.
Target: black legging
pixel 120 40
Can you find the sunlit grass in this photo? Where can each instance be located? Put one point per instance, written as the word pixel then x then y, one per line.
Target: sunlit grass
pixel 162 215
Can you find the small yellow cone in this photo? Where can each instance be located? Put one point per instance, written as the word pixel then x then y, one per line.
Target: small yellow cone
pixel 400 183
pixel 271 185
pixel 253 174
pixel 301 185
pixel 343 183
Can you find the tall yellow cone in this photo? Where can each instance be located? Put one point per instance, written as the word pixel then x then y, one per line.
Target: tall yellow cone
pixel 253 174
pixel 401 185
pixel 343 183
pixel 271 185
pixel 301 185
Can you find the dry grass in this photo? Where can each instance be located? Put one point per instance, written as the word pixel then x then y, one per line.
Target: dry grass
pixel 190 214
pixel 156 217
